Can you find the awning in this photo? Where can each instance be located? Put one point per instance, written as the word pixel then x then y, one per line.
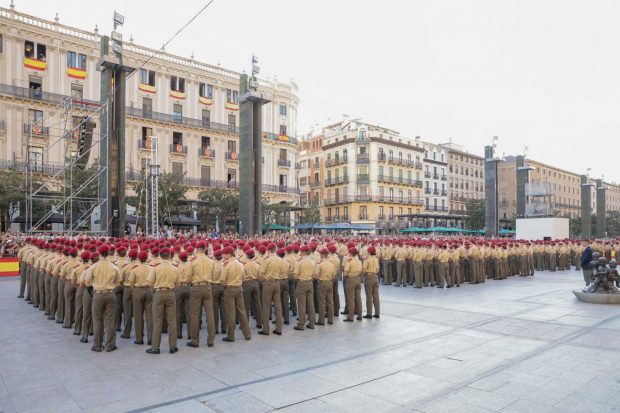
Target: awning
pixel 275 227
pixel 182 221
pixel 55 218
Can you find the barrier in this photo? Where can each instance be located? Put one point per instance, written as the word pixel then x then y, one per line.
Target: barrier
pixel 9 267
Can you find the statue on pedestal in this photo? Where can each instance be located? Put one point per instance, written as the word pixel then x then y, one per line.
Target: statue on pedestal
pixel 603 277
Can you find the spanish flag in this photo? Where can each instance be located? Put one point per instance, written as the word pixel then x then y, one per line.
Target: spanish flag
pixel 9 267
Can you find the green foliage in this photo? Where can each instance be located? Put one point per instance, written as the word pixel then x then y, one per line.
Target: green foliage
pixel 613 223
pixel 275 213
pixel 13 193
pixel 312 214
pixel 475 213
pixel 221 203
pixel 171 190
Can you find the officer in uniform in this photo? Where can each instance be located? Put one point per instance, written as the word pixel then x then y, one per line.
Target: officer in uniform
pixel 217 292
pixel 325 279
pixel 105 277
pixel 182 294
pixel 269 273
pixel 283 279
pixel 401 266
pixel 200 296
pixel 370 269
pixel 291 259
pixel 232 281
pixel 251 297
pixel 336 261
pixel 164 279
pixel 141 297
pixel 87 298
pixel 443 265
pixel 70 288
pixel 304 291
pixel 352 287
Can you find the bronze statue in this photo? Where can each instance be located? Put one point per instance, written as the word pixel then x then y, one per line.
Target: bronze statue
pixel 604 277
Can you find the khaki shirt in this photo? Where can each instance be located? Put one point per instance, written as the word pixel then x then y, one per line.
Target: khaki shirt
pixel 352 267
pixel 292 262
pixel 69 267
pixel 305 269
pixel 81 276
pixel 139 275
pixel 217 271
pixel 284 270
pixel 104 275
pixel 76 273
pixel 187 270
pixel 371 266
pixel 252 269
pixel 326 270
pixel 232 273
pixel 126 270
pixel 401 254
pixel 444 256
pixel 271 269
pixel 165 275
pixel 202 269
pixel 336 261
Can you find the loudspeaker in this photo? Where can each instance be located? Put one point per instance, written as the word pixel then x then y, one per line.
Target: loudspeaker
pixel 85 141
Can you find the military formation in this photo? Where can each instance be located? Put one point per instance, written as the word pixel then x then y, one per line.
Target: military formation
pixel 100 286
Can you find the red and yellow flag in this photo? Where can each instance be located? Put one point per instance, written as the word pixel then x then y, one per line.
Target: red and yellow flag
pixel 9 267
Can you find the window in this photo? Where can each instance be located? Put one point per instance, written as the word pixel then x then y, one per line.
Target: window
pixel 283 109
pixel 35 116
pixel 177 84
pixel 283 180
pixel 205 175
pixel 329 214
pixel 147 108
pixel 146 137
pixel 35 86
pixel 177 113
pixel 232 146
pixel 205 90
pixel 346 212
pixel 391 194
pixel 232 122
pixel 231 176
pixel 177 169
pixel 206 117
pixel 283 130
pixel 391 212
pixel 1 44
pixel 76 60
pixel 363 212
pixel 77 92
pixel 147 77
pixel 344 155
pixel 36 155
pixel 34 51
pixel 205 142
pixel 282 155
pixel 232 96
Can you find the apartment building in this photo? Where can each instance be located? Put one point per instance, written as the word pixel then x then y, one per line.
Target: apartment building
pixel 465 177
pixel 311 169
pixel 372 176
pixel 191 107
pixel 435 179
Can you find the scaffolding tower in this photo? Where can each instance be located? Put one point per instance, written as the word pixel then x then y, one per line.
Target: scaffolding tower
pixel 152 191
pixel 70 195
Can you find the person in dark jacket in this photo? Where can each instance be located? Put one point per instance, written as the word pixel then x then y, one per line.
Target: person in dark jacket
pixel 586 259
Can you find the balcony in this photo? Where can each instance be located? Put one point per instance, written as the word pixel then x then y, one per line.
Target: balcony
pixel 435 176
pixel 315 184
pixel 362 158
pixel 401 161
pixel 280 138
pixel 374 198
pixel 363 141
pixel 337 180
pixel 437 208
pixel 214 183
pixel 435 191
pixel 444 192
pixel 53 98
pixel 333 162
pixel 1 126
pixel 37 130
pixel 284 163
pixel 427 174
pixel 43 168
pixel 283 189
pixel 144 144
pixel 232 156
pixel 381 217
pixel 382 157
pixel 363 178
pixel 363 217
pixel 444 177
pixel 399 180
pixel 178 149
pixel 427 190
pixel 417 165
pixel 179 120
pixel 206 152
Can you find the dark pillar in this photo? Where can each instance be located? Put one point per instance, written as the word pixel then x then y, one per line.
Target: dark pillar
pixel 601 209
pixel 112 149
pixel 250 157
pixel 491 213
pixel 586 208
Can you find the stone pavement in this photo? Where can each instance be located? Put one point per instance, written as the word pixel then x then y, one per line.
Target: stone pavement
pixel 520 345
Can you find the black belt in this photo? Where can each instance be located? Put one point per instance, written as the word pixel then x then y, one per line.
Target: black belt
pixel 104 292
pixel 200 283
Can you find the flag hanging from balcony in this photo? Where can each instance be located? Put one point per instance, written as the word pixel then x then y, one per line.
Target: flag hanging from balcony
pixel 9 267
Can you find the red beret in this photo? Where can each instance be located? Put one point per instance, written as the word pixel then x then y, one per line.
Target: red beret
pixel 190 249
pixel 228 250
pixel 296 248
pixel 94 256
pixel 281 251
pixel 331 248
pixel 249 251
pixel 143 255
pixel 164 251
pixel 288 248
pixel 85 255
pixel 352 250
pixel 201 245
pixel 324 251
pixel 155 251
pixel 183 255
pixel 121 249
pixel 262 249
pixel 103 248
pixel 217 252
pixel 304 248
pixel 280 244
pixel 133 253
pixel 271 246
pixel 372 250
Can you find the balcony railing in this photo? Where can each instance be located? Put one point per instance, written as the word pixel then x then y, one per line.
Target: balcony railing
pixel 444 192
pixel 435 176
pixel 285 163
pixel 404 162
pixel 435 191
pixel 363 141
pixel 43 168
pixel 399 180
pixel 179 120
pixel 362 158
pixel 37 130
pixel 315 184
pixel 178 148
pixel 427 174
pixel 374 198
pixel 444 177
pixel 27 93
pixel 333 161
pixel 206 152
pixel 280 138
pixel 232 156
pixel 337 180
pixel 437 208
pixel 363 178
pixel 382 157
pixel 381 217
pixel 284 189
pixel 417 165
pixel 427 190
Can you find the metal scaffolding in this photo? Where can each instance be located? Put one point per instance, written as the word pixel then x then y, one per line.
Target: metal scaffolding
pixel 152 191
pixel 69 194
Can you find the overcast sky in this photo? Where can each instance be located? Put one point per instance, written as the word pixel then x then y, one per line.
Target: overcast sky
pixel 537 73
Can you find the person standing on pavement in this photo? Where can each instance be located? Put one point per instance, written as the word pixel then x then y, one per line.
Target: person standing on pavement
pixel 370 269
pixel 269 273
pixel 164 279
pixel 586 259
pixel 182 294
pixel 326 298
pixel 251 297
pixel 141 298
pixel 352 287
pixel 305 290
pixel 232 280
pixel 200 296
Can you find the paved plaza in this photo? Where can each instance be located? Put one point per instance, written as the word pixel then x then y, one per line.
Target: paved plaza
pixel 520 345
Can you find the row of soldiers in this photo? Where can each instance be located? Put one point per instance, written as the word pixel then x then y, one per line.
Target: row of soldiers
pixel 94 286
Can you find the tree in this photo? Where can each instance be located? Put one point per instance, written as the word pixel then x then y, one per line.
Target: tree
pixel 475 213
pixel 275 213
pixel 312 214
pixel 171 190
pixel 613 223
pixel 220 203
pixel 13 193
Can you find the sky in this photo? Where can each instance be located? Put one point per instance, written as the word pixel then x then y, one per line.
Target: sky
pixel 539 74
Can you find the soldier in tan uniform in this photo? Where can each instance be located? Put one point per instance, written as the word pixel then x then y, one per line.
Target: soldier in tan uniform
pixel 200 296
pixel 269 273
pixel 283 279
pixel 182 294
pixel 443 261
pixel 291 259
pixel 325 276
pixel 352 287
pixel 69 289
pixel 336 261
pixel 217 293
pixel 87 298
pixel 142 298
pixel 401 255
pixel 305 293
pixel 126 310
pixel 74 279
pixel 164 279
pixel 105 277
pixel 251 297
pixel 429 275
pixel 370 269
pixel 232 280
pixel 387 255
